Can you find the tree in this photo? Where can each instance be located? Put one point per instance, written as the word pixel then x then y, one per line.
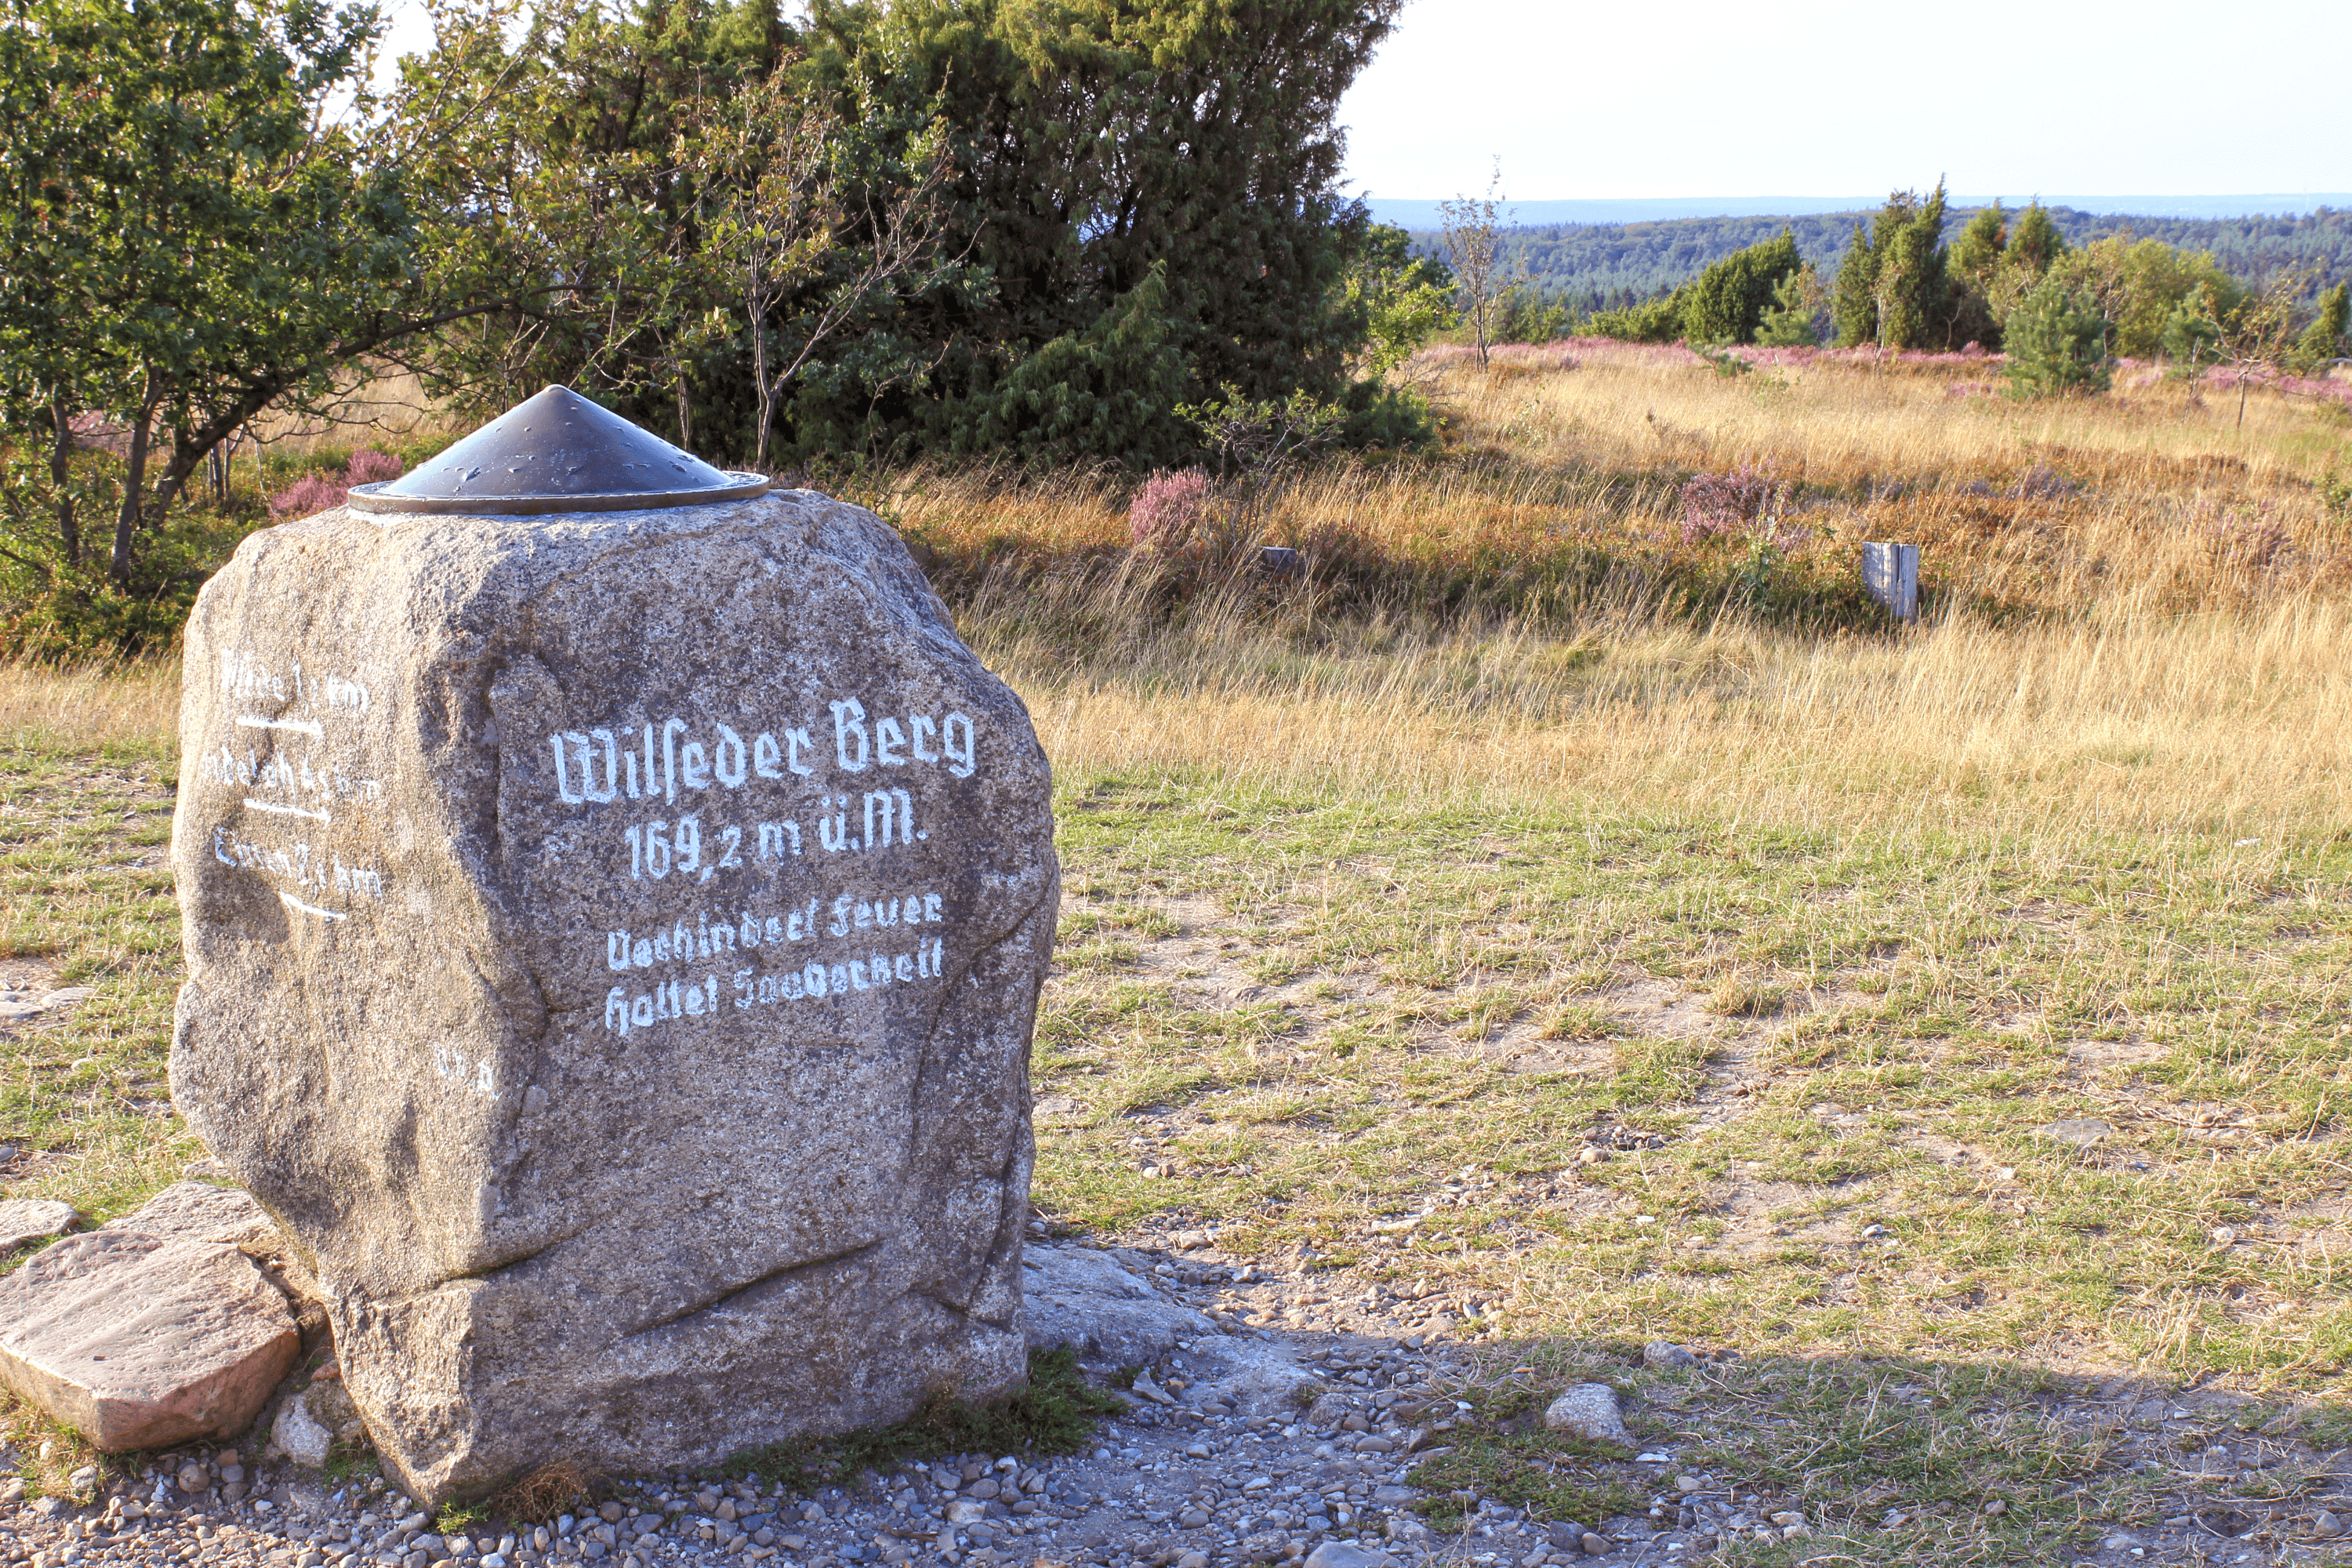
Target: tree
pixel 2057 344
pixel 1800 305
pixel 1406 300
pixel 772 211
pixel 2324 340
pixel 2259 334
pixel 1094 140
pixel 201 241
pixel 1472 239
pixel 1727 303
pixel 1854 303
pixel 1911 272
pixel 1976 253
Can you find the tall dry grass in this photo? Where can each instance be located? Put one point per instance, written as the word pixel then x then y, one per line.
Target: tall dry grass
pixel 51 708
pixel 2146 627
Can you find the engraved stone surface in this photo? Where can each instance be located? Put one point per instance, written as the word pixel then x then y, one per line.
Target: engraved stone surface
pixel 137 1342
pixel 614 944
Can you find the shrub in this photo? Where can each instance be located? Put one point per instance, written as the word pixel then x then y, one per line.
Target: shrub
pixel 1167 510
pixel 1747 502
pixel 2057 344
pixel 317 493
pixel 1727 303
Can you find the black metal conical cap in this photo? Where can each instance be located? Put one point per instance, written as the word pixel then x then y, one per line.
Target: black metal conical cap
pixel 558 452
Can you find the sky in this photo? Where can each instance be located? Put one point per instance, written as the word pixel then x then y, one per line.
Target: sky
pixel 1834 97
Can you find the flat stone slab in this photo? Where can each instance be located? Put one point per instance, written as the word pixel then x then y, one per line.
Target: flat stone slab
pixel 33 1219
pixel 139 1342
pixel 197 1211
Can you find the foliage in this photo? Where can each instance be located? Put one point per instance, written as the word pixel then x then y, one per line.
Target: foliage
pixel 2140 286
pixel 189 238
pixel 1609 267
pixel 1115 390
pixel 1167 510
pixel 315 492
pixel 1470 242
pixel 1404 299
pixel 1891 287
pixel 1727 303
pixel 1800 315
pixel 858 232
pixel 1652 322
pixel 2057 344
pixel 2324 339
pixel 1095 141
pixel 1525 315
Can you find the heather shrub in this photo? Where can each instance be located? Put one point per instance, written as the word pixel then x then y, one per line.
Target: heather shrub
pixel 317 493
pixel 1167 510
pixel 1747 503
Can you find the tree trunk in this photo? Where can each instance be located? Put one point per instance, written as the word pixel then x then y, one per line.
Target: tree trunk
pixel 759 379
pixel 61 472
pixel 134 480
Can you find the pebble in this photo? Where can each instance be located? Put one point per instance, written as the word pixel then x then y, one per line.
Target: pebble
pixel 1590 1411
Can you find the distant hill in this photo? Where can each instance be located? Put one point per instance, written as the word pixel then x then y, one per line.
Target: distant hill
pixel 1603 266
pixel 1418 214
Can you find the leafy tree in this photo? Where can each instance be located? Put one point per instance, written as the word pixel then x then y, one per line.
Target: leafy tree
pixel 2139 286
pixel 191 239
pixel 2057 344
pixel 2324 340
pixel 1976 253
pixel 1911 257
pixel 1891 287
pixel 1727 303
pixel 1406 300
pixel 1471 230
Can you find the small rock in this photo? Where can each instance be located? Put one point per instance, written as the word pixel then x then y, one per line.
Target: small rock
pixel 1665 1355
pixel 1345 1554
pixel 1689 1484
pixel 1193 1560
pixel 1590 1411
pixel 2326 1525
pixel 1588 1155
pixel 1594 1546
pixel 1996 1507
pixel 191 1478
pixel 1566 1535
pixel 2079 1133
pixel 33 1219
pixel 299 1434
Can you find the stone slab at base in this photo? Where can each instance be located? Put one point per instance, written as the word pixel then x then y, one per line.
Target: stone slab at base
pixel 139 1342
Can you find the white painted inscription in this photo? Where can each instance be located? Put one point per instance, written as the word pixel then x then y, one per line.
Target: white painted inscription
pixel 282 788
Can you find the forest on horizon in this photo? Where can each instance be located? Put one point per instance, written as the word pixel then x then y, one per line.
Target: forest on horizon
pixel 1587 268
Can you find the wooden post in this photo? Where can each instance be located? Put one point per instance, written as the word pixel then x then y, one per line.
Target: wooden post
pixel 1890 574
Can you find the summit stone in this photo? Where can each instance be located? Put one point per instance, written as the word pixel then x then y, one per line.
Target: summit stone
pixel 613 943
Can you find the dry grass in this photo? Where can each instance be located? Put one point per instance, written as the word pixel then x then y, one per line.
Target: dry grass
pixel 1570 971
pixel 90 709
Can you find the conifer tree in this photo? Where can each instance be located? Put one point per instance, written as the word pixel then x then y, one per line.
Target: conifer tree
pixel 1978 250
pixel 1854 304
pixel 1726 303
